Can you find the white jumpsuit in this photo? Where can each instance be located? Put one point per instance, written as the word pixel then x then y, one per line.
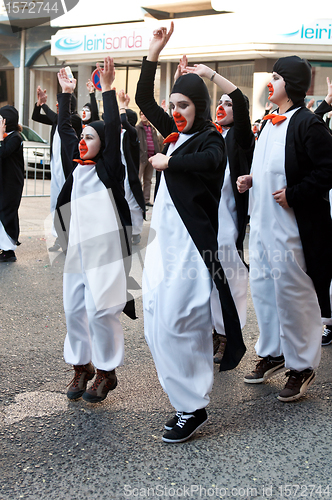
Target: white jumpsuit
pixel 284 297
pixel 176 302
pixel 94 284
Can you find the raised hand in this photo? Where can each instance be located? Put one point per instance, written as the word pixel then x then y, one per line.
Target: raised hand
pixel 90 86
pixel 122 99
pixel 107 74
pixel 68 86
pixel 200 69
pixel 328 98
pixel 181 69
pixel 41 96
pixel 158 42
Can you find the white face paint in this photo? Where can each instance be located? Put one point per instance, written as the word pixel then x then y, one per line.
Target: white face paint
pixel 85 114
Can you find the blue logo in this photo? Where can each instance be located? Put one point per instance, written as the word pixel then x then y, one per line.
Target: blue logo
pixel 291 34
pixel 66 43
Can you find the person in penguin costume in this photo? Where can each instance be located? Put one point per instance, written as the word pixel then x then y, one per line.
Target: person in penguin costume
pixel 181 261
pixel 290 232
pixel 60 162
pixel 11 182
pixel 94 226
pixel 233 122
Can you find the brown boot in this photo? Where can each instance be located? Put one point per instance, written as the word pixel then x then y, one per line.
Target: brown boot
pixel 105 382
pixel 221 349
pixel 83 373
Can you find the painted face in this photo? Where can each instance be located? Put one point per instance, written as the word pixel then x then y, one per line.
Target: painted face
pixel 57 107
pixel 85 114
pixel 277 91
pixel 224 113
pixel 90 143
pixel 183 111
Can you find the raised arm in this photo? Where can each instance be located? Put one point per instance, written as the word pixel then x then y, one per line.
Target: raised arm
pixel 93 101
pixel 67 133
pixel 242 125
pixel 111 154
pixel 145 88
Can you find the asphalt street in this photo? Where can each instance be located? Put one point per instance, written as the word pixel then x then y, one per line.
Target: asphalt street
pixel 253 446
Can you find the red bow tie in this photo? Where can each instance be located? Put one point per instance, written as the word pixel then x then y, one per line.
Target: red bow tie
pixel 275 118
pixel 85 162
pixel 5 135
pixel 173 137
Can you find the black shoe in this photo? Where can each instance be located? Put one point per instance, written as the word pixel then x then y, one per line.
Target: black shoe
pixel 265 368
pixel 172 421
pixel 148 204
pixel 186 426
pixel 327 335
pixel 7 256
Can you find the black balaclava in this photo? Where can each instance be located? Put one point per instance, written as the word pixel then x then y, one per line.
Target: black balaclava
pixel 99 126
pixel 10 114
pixel 297 75
pixel 87 105
pixel 193 86
pixel 131 117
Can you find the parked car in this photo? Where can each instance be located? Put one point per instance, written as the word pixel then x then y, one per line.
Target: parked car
pixel 36 152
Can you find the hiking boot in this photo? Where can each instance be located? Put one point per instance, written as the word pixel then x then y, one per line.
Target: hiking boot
pixel 172 421
pixel 265 368
pixel 7 256
pixel 187 425
pixel 327 335
pixel 83 373
pixel 297 385
pixel 105 382
pixel 217 358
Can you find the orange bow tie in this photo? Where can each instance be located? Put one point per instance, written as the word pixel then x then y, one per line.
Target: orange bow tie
pixel 218 127
pixel 275 118
pixel 85 162
pixel 173 137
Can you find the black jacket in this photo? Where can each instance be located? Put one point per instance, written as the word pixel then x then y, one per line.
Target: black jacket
pixel 308 167
pixel 11 182
pixel 194 179
pixel 240 143
pixel 131 150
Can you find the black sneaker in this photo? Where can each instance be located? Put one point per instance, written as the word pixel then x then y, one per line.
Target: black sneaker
pixel 297 384
pixel 172 421
pixel 7 256
pixel 327 335
pixel 265 368
pixel 186 426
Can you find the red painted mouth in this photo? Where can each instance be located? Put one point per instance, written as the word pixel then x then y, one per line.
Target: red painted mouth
pixel 83 114
pixel 221 113
pixel 271 90
pixel 180 121
pixel 83 148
